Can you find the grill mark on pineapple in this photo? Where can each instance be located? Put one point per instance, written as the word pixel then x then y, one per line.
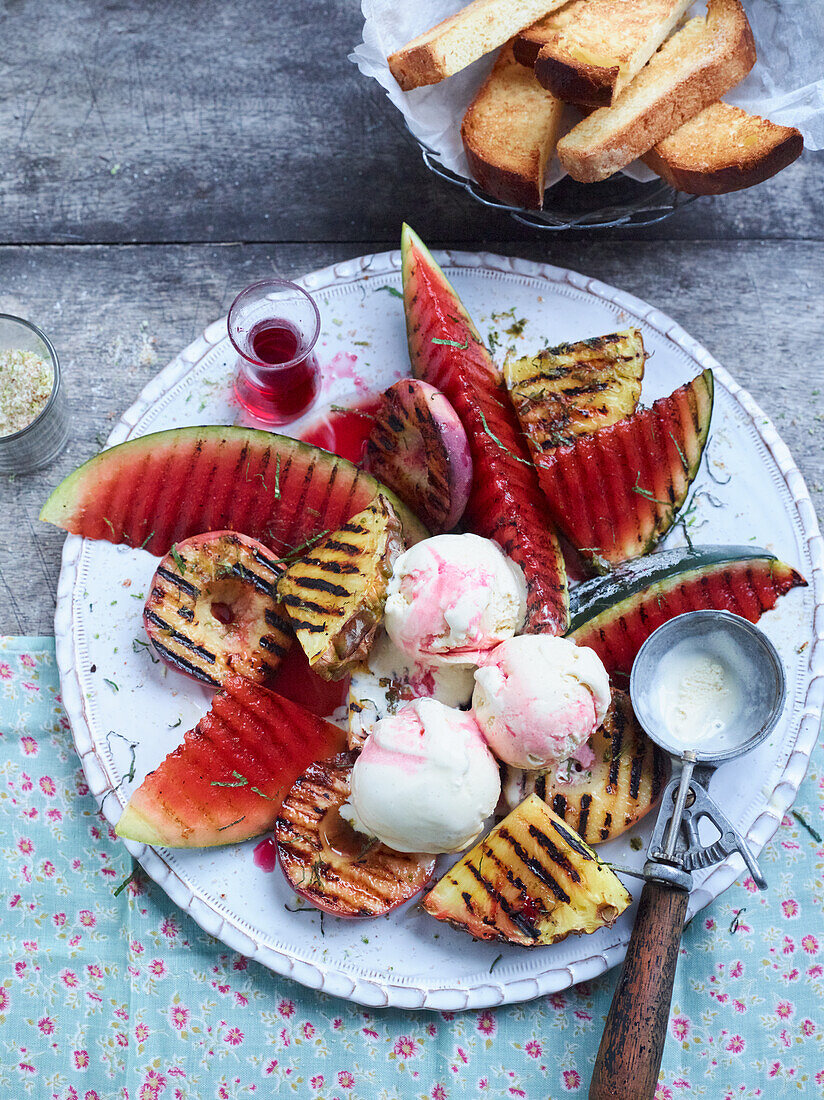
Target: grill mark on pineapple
pixel 273 619
pixel 331 566
pixel 518 919
pixel 605 831
pixel 178 581
pixel 574 843
pixel 555 853
pixel 348 548
pixel 535 866
pixel 308 605
pixel 320 584
pixel 186 613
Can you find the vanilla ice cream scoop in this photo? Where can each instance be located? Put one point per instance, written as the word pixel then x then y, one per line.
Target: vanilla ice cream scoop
pixel 538 698
pixel 452 598
pixel 425 780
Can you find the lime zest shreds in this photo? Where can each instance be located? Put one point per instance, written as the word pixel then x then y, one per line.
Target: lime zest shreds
pixel 277 476
pixel 257 790
pixel 237 821
pixel 129 776
pixel 353 412
pixel 802 821
pixel 119 889
pixel 178 560
pixel 495 439
pixel 111 683
pixel 495 962
pixel 684 462
pixel 451 343
pixel 390 290
pixel 239 781
pixel 646 493
pixel 111 526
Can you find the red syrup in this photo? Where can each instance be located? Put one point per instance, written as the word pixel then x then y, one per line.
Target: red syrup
pixel 281 385
pixel 296 681
pixel 265 855
pixel 344 431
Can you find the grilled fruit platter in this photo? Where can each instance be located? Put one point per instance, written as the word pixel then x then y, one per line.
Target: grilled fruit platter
pixel 484 744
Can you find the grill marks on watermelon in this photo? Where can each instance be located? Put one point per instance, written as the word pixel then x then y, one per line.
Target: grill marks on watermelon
pixel 163 488
pixel 735 579
pixel 506 501
pixel 616 492
pixel 226 782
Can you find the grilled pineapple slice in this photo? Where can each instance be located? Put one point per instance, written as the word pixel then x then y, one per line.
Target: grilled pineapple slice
pixel 532 881
pixel 621 787
pixel 574 389
pixel 336 592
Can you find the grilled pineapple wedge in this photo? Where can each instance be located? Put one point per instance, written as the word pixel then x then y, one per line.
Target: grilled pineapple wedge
pixel 574 389
pixel 532 881
pixel 622 786
pixel 335 593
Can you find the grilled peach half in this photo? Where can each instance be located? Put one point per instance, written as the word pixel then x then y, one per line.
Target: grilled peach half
pixel 418 447
pixel 339 870
pixel 212 612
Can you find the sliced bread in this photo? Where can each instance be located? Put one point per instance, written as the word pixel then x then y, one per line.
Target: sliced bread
pixel 724 149
pixel 480 27
pixel 509 133
pixel 701 62
pixel 593 48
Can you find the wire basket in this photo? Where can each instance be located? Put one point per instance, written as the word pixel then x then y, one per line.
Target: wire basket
pixel 618 201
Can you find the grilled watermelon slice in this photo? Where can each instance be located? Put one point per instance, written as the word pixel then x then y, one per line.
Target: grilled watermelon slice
pixel 343 872
pixel 335 593
pixel 532 881
pixel 226 782
pixel 616 492
pixel 575 389
pixel 615 615
pixel 603 801
pixel 506 503
pixel 155 491
pixel 211 610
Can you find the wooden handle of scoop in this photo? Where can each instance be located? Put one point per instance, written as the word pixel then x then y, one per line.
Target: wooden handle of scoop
pixel 632 1045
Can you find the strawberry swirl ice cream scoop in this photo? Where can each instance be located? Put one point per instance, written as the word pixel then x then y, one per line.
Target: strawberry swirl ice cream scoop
pixel 425 780
pixel 538 699
pixel 453 598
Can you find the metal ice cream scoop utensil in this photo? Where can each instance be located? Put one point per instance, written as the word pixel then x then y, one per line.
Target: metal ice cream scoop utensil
pixel 632 1046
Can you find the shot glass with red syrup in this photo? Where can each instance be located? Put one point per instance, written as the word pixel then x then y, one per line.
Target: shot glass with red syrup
pixel 274 326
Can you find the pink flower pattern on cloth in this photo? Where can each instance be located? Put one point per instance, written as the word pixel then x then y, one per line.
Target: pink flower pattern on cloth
pixel 106 997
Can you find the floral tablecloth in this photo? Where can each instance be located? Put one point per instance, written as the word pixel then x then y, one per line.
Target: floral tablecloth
pixel 108 993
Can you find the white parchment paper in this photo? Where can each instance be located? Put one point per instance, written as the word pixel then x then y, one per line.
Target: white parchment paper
pixel 786 84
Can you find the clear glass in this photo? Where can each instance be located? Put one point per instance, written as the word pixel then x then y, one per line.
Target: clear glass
pixel 40 442
pixel 274 326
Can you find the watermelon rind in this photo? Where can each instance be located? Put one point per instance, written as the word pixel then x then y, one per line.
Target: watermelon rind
pixel 155 490
pixel 506 503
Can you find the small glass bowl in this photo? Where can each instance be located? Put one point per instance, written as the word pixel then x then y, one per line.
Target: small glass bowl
pixel 41 441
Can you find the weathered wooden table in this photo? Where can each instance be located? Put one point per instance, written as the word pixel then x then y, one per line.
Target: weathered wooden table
pixel 156 158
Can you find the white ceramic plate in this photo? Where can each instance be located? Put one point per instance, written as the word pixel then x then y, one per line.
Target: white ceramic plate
pixel 408 959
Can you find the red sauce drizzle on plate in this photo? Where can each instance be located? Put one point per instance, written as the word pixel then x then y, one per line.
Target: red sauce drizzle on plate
pixel 266 854
pixel 344 432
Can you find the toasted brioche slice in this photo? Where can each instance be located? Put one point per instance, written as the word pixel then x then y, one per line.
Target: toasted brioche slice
pixel 594 48
pixel 450 46
pixel 509 133
pixel 724 149
pixel 698 64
